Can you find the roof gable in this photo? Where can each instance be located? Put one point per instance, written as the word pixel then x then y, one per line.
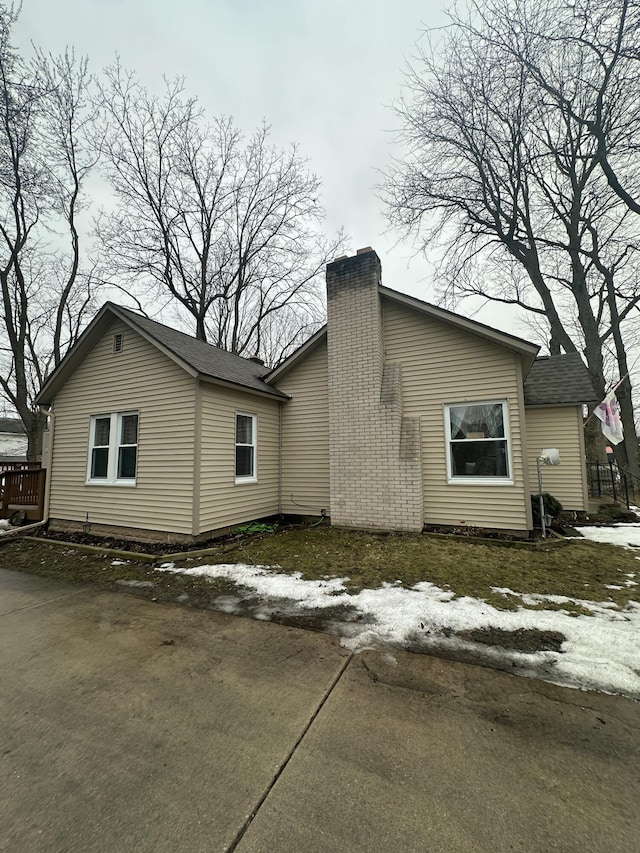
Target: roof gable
pixel 197 358
pixel 297 355
pixel 504 339
pixel 526 349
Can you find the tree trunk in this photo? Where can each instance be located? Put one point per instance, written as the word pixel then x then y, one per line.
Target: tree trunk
pixel 628 458
pixel 594 440
pixel 201 332
pixel 626 452
pixel 35 426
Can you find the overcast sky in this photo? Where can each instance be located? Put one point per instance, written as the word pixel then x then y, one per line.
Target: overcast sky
pixel 322 74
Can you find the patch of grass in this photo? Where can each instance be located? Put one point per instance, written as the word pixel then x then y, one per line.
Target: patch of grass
pixel 571 607
pixel 527 640
pixel 501 601
pixel 254 527
pixel 52 561
pixel 580 570
pixel 514 600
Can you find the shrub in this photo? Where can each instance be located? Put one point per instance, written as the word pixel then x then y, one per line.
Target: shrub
pixel 552 507
pixel 254 527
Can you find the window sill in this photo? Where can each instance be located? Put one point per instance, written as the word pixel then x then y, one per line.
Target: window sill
pixel 479 481
pixel 240 481
pixel 128 484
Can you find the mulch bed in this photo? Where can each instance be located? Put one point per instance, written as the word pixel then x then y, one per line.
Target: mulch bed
pixel 130 545
pixel 160 548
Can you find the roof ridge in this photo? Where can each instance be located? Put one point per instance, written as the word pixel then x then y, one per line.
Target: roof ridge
pixel 199 358
pixel 139 316
pixel 192 339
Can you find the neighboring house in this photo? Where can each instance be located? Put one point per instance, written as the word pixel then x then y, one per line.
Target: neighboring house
pixel 397 414
pixel 13 441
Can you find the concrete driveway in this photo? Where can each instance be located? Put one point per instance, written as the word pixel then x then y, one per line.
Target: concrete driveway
pixel 132 726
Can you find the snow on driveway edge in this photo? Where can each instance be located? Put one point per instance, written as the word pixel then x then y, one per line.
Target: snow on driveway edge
pixel 601 652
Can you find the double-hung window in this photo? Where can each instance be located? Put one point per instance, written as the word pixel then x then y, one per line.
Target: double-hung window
pixel 113 449
pixel 478 442
pixel 246 471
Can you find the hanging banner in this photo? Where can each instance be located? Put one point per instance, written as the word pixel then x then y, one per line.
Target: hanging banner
pixel 608 413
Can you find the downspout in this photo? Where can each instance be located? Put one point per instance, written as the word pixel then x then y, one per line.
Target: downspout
pixel 47 487
pixel 280 406
pixel 583 459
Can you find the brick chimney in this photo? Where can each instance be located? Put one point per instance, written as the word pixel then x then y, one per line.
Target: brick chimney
pixel 374 453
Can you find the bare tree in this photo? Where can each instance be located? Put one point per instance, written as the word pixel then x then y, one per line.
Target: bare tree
pixel 227 227
pixel 43 163
pixel 498 172
pixel 604 40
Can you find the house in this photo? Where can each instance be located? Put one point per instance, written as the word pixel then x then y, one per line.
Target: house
pixel 395 415
pixel 13 442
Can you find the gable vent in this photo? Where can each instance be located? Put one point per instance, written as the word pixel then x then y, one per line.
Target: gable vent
pixel 118 341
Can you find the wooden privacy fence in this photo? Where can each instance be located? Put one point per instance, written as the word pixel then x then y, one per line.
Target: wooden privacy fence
pixel 18 466
pixel 23 490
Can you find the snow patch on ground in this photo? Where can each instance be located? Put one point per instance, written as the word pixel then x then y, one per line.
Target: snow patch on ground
pixel 12 444
pixel 624 535
pixel 601 652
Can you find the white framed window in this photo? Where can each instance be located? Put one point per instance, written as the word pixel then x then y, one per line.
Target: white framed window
pixel 113 449
pixel 246 448
pixel 478 445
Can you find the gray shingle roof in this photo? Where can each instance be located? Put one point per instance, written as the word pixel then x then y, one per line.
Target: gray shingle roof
pixel 206 359
pixel 556 379
pixel 13 425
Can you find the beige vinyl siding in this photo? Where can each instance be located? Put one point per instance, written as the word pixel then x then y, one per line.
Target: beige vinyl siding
pixel 223 502
pixel 305 436
pixel 443 365
pixel 560 427
pixel 139 378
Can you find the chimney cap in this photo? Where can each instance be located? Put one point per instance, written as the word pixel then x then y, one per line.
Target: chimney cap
pixel 347 264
